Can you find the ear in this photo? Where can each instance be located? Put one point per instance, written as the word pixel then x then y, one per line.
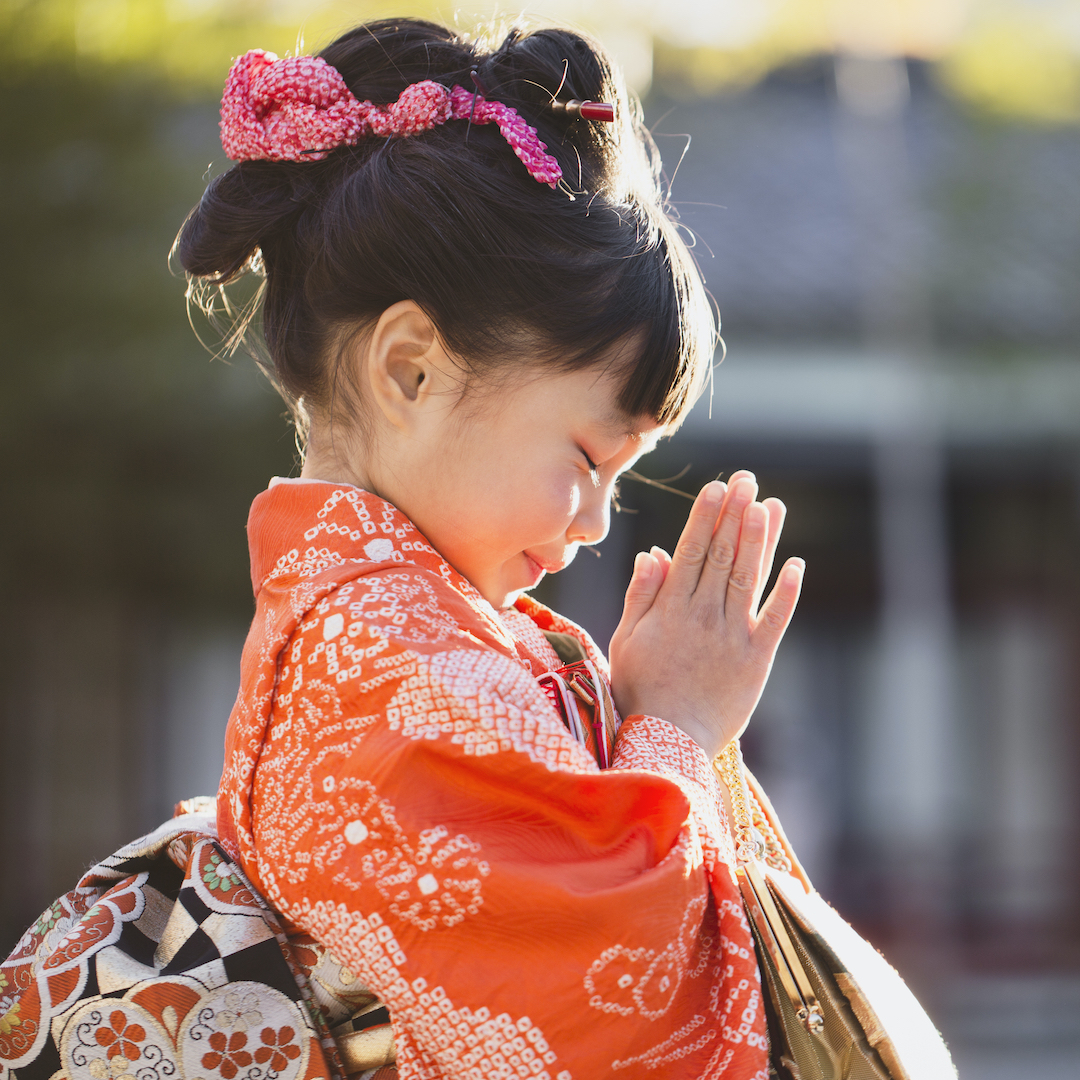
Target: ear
pixel 406 365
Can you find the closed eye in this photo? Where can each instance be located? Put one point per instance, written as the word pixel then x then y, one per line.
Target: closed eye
pixel 594 469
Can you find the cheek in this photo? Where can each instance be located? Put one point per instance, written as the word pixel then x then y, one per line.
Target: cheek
pixel 534 512
pixel 573 502
pixel 557 496
pixel 530 484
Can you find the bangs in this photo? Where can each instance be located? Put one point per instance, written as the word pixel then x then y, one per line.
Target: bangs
pixel 674 363
pixel 652 299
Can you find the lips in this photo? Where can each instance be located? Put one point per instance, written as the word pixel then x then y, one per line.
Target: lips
pixel 536 569
pixel 545 566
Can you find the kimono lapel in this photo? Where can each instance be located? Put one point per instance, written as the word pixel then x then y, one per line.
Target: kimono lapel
pixel 306 540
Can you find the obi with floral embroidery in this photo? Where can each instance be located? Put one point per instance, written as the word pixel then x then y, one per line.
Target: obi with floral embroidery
pixel 163 962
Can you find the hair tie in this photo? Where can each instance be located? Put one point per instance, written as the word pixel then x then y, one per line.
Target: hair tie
pixel 299 109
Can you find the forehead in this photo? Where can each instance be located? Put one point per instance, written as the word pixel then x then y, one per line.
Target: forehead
pixel 605 414
pixel 583 403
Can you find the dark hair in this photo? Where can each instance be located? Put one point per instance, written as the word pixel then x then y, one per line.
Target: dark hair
pixel 452 220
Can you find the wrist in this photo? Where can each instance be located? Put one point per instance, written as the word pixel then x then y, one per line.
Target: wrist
pixel 704 736
pixel 709 741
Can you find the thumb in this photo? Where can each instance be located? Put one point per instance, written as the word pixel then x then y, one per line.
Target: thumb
pixel 644 584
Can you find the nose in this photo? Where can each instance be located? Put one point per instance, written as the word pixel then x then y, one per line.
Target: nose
pixel 593 518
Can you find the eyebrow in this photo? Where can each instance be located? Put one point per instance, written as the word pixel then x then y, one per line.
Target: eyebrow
pixel 618 422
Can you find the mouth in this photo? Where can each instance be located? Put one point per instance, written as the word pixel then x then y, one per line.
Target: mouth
pixel 538 569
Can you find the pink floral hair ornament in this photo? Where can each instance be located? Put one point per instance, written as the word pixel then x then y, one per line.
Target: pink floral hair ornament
pixel 299 109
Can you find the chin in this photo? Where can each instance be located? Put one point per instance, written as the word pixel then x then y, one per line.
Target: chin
pixel 504 596
pixel 511 596
pixel 500 597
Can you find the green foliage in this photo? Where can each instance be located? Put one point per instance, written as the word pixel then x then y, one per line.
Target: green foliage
pixel 1016 67
pixel 188 43
pixel 130 458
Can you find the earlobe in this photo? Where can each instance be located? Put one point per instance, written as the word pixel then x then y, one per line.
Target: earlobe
pixel 401 361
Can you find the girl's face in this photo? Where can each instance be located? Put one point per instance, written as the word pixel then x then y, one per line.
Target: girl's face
pixel 508 485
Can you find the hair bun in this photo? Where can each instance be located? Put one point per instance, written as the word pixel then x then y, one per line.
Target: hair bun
pixel 238 212
pixel 449 219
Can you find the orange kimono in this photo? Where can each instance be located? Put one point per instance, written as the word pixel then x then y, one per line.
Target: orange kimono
pixel 398 786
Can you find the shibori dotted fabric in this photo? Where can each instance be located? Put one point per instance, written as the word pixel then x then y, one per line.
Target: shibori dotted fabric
pixel 399 786
pixel 416 855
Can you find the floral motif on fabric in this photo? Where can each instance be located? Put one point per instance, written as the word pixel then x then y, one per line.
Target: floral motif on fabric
pixel 645 980
pixel 176 995
pixel 175 1029
pixel 120 1036
pixel 228 1054
pixel 279 1047
pixel 241 1011
pixel 219 874
pixel 429 879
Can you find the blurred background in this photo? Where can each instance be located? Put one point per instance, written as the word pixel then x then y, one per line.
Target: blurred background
pixel 885 198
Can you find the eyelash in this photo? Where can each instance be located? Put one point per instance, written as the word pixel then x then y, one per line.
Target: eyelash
pixel 615 504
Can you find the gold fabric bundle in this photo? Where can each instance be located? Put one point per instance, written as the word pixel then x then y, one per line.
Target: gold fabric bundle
pixel 837 1010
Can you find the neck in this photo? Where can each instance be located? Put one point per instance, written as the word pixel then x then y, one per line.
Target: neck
pixel 329 458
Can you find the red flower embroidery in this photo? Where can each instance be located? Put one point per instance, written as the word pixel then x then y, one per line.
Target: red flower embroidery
pixel 227 1053
pixel 120 1036
pixel 279 1048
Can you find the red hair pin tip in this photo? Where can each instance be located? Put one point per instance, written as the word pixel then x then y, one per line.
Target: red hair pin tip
pixel 598 110
pixel 587 110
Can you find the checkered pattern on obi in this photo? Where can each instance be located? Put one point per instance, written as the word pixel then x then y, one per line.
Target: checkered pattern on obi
pixel 162 958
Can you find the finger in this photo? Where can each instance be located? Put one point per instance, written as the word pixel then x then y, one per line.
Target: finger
pixel 645 583
pixel 693 545
pixel 777 513
pixel 745 577
pixel 725 541
pixel 662 557
pixel 740 474
pixel 777 611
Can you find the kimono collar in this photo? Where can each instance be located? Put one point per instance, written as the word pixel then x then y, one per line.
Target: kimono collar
pixel 304 526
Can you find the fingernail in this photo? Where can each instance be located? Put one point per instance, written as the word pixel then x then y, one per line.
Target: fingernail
pixel 713 492
pixel 642 564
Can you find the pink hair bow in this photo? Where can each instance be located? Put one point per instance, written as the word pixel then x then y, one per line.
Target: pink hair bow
pixel 299 109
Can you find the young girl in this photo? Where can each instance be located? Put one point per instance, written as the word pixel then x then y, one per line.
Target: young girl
pixel 478 326
pixel 479 329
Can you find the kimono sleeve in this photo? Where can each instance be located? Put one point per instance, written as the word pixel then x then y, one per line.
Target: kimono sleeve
pixel 423 812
